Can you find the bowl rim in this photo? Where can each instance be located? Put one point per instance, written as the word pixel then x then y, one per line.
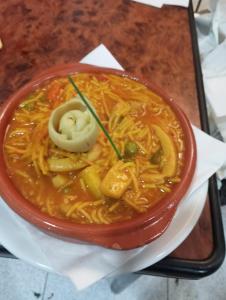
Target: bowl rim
pixel 68 228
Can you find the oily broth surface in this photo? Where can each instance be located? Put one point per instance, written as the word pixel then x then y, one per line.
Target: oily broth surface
pixel 128 110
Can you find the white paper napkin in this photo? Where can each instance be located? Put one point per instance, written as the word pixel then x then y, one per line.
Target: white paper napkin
pixel 84 263
pixel 212 44
pixel 211 28
pixel 214 74
pixel 101 56
pixel 160 3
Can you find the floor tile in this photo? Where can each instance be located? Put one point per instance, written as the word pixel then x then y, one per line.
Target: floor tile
pixel 20 281
pixel 209 288
pixel 127 287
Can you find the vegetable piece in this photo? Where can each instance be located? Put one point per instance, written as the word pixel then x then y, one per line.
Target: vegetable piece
pixel 66 190
pixel 157 178
pixel 130 149
pixel 28 106
pixel 116 181
pixel 94 153
pixel 169 157
pixel 59 180
pixel 65 164
pixel 92 181
pixel 156 157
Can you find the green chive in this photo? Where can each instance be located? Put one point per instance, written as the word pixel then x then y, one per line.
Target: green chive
pixel 96 118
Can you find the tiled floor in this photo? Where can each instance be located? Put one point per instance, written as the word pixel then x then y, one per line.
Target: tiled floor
pixel 20 281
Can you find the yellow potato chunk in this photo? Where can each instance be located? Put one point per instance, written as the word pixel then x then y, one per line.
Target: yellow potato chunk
pixel 92 181
pixel 169 152
pixel 59 180
pixel 116 181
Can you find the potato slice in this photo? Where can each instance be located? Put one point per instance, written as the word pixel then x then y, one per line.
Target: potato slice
pixel 92 180
pixel 59 180
pixel 116 181
pixel 169 152
pixel 153 178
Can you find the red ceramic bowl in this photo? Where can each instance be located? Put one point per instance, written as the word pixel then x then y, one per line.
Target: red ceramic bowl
pixel 125 235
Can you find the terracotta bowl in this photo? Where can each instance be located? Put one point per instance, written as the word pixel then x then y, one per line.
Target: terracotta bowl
pixel 124 235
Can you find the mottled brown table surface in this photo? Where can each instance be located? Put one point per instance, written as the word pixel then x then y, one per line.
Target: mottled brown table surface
pixel 147 41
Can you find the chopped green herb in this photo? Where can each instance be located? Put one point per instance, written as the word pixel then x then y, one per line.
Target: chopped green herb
pixel 131 149
pixel 28 106
pixel 117 152
pixel 66 190
pixel 42 98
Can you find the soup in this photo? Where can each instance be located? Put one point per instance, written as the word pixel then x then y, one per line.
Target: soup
pixel 91 185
